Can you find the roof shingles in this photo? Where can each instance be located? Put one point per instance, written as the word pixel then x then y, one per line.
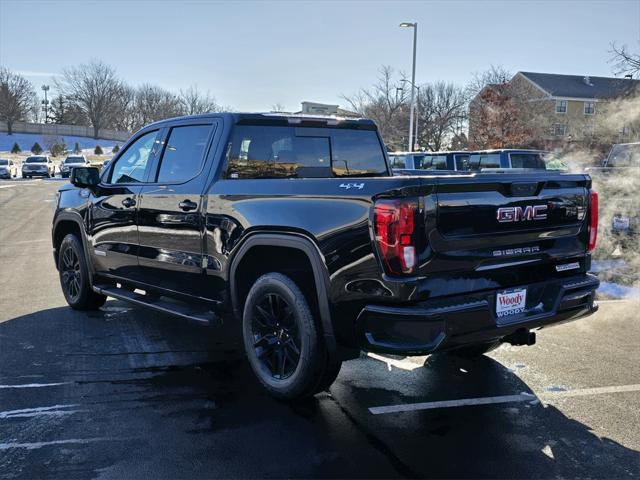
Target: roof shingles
pixel 575 86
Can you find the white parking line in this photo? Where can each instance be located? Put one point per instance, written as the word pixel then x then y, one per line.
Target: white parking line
pixel 463 402
pixel 32 412
pixel 34 445
pixel 547 397
pixel 35 385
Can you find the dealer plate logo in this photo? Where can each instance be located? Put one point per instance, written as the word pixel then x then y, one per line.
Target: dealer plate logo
pixel 511 303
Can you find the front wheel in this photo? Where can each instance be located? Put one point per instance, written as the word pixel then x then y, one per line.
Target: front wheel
pixel 282 340
pixel 74 276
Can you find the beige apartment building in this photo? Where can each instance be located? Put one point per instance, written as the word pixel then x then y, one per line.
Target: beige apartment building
pixel 563 108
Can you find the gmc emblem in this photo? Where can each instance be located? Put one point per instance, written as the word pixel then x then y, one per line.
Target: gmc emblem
pixel 519 214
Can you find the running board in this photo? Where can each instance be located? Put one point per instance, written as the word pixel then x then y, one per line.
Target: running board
pixel 177 308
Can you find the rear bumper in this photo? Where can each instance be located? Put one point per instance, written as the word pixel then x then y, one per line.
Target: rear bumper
pixel 437 325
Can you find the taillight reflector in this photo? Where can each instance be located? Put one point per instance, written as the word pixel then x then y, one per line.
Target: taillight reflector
pixel 593 222
pixel 394 222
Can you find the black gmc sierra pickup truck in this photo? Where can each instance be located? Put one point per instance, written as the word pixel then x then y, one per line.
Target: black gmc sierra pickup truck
pixel 293 231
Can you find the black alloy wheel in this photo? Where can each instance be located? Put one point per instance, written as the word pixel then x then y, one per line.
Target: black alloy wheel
pixel 71 274
pixel 276 337
pixel 283 342
pixel 74 274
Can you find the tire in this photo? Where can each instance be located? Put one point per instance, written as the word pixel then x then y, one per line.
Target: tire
pixel 282 341
pixel 74 276
pixel 475 351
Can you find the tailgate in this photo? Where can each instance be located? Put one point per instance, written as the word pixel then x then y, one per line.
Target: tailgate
pixel 495 220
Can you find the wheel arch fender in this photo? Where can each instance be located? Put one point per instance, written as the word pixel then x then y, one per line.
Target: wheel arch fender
pixel 75 218
pixel 319 270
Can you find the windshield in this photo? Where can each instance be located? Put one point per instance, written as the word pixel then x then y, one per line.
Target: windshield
pixel 624 156
pixel 36 160
pixel 3 162
pixel 74 160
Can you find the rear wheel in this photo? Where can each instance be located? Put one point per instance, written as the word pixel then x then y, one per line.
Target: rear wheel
pixel 74 276
pixel 282 340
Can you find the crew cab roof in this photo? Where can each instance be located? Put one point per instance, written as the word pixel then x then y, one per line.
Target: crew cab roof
pixel 278 119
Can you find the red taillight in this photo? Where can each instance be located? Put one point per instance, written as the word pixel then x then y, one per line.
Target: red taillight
pixel 394 222
pixel 593 222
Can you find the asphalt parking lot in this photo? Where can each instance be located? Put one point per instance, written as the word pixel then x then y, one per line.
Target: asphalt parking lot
pixel 125 393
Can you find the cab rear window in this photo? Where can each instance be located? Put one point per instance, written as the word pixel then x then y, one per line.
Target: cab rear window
pixel 297 152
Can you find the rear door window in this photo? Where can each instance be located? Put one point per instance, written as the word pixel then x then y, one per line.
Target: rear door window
pixel 431 162
pixel 398 161
pixel 484 160
pixel 183 153
pixel 462 162
pixel 527 160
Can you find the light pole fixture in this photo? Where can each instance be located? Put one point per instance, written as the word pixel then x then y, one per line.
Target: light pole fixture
pixel 413 78
pixel 417 108
pixel 45 102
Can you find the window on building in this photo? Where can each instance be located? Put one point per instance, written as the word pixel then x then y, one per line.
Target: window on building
pixel 589 108
pixel 561 106
pixel 559 129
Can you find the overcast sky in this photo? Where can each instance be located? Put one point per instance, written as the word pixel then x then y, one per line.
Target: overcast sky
pixel 251 55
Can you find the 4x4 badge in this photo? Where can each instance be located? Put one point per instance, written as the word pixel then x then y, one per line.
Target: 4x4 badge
pixel 359 186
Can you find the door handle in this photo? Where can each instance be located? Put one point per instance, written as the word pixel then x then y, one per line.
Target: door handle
pixel 128 202
pixel 187 205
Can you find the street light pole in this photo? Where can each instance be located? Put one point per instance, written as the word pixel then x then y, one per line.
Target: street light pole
pixel 413 79
pixel 45 102
pixel 417 108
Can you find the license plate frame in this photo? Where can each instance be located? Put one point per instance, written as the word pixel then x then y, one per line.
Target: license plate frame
pixel 510 303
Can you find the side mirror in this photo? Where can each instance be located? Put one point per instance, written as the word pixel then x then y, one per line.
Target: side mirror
pixel 85 177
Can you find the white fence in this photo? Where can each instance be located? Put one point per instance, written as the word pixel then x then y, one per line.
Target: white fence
pixel 65 130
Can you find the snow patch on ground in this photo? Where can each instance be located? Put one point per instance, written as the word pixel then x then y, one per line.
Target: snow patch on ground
pixel 26 141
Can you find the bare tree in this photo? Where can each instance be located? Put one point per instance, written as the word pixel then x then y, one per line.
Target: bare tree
pixel 494 75
pixel 442 107
pixel 152 103
pixel 194 102
pixel 96 90
pixel 17 98
pixel 278 107
pixel 624 61
pixel 385 103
